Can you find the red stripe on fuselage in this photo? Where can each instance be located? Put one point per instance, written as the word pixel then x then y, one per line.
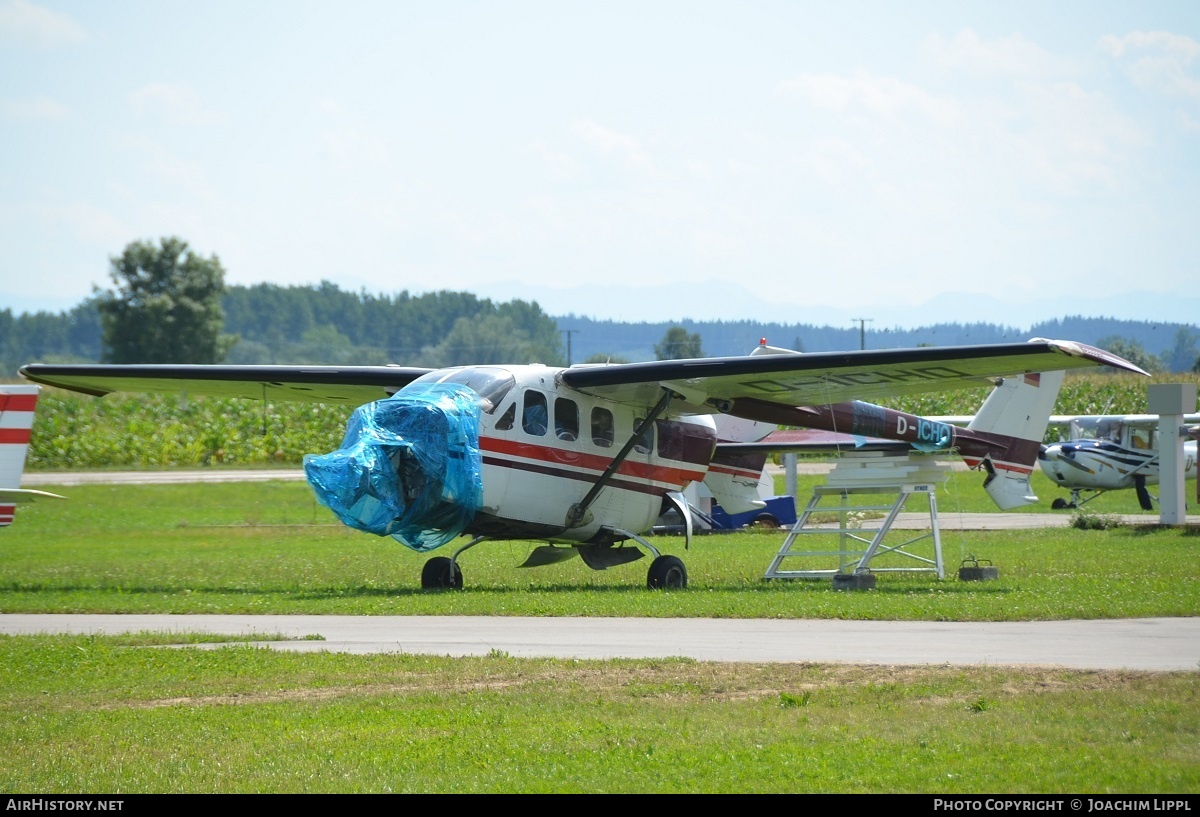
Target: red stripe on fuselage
pixel 563 461
pixel 717 468
pixel 999 465
pixel 563 473
pixel 14 435
pixel 6 514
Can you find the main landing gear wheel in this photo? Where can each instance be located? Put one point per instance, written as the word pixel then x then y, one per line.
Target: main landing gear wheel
pixel 667 573
pixel 441 573
pixel 1060 504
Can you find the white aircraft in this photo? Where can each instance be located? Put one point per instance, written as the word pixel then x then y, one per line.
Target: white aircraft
pixel 17 404
pixel 582 458
pixel 1110 452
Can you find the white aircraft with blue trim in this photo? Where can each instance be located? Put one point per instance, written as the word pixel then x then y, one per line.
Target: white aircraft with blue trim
pixel 583 458
pixel 1110 452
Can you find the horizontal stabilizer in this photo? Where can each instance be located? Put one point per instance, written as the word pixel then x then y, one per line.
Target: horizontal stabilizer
pixel 23 495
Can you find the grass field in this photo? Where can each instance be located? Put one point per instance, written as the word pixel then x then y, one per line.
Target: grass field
pixel 121 715
pixel 270 548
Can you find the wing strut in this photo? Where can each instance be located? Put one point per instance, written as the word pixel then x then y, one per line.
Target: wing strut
pixel 575 516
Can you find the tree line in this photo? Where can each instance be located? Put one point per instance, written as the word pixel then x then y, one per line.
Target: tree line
pixel 168 304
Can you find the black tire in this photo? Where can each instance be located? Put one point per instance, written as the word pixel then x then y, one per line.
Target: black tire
pixel 667 573
pixel 1059 504
pixel 766 520
pixel 440 573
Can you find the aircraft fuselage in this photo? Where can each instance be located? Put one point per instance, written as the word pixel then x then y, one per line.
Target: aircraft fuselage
pixel 544 445
pixel 1104 465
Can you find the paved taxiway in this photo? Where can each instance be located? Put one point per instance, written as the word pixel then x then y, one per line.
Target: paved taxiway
pixel 1154 644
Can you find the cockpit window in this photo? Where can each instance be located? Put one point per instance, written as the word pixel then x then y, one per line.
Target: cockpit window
pixel 534 414
pixel 506 420
pixel 602 427
pixel 489 382
pixel 566 419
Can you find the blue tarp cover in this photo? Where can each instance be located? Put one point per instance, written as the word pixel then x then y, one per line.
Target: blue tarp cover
pixel 409 466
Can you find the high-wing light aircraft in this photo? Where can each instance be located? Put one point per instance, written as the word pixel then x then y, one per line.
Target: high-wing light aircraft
pixel 1110 452
pixel 582 458
pixel 17 404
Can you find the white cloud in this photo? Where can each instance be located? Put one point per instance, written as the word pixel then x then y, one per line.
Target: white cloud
pixel 353 145
pixel 883 96
pixel 1012 56
pixel 608 141
pixel 36 109
pixel 562 166
pixel 23 22
pixel 1176 45
pixel 177 104
pixel 1162 66
pixel 85 221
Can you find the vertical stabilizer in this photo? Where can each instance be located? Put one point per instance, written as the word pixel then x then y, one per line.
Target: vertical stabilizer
pixel 1013 421
pixel 17 404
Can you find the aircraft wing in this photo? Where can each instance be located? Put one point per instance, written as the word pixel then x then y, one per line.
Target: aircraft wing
pixel 768 387
pixel 1132 420
pixel 352 385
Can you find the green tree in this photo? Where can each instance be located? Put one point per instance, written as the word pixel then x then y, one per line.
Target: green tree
pixel 678 344
pixel 490 339
pixel 166 307
pixel 1181 356
pixel 1132 351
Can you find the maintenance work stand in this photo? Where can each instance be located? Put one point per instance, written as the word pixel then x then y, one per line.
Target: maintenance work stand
pixel 857 490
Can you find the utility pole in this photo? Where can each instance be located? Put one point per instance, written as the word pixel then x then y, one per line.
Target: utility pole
pixel 862 331
pixel 568 333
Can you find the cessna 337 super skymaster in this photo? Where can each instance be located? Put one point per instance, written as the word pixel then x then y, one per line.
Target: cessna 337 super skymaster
pixel 582 458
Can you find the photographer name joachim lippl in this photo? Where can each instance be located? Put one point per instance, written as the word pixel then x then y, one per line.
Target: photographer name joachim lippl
pixel 1139 805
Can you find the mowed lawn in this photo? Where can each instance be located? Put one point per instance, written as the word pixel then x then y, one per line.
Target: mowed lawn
pixel 125 715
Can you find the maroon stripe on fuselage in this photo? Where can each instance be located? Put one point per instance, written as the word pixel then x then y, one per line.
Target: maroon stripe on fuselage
pixel 554 457
pixel 551 471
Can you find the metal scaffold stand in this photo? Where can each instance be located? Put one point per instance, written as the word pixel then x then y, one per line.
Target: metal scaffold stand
pixel 856 485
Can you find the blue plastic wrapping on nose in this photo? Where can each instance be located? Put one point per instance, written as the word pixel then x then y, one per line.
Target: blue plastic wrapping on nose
pixel 409 466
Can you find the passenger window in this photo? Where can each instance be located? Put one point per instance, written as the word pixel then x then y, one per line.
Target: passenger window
pixel 506 420
pixel 645 440
pixel 602 427
pixel 670 440
pixel 533 414
pixel 566 419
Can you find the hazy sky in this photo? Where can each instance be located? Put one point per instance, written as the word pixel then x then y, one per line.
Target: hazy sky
pixel 642 160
